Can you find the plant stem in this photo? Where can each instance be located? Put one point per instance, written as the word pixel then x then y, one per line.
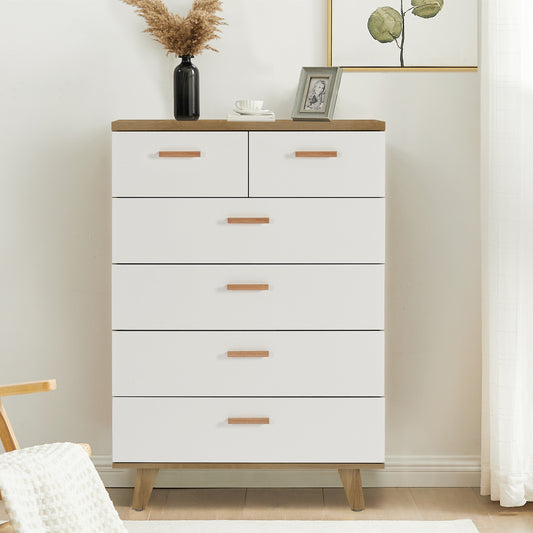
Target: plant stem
pixel 403 34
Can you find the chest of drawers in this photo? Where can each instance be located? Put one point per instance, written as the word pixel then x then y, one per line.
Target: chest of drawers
pixel 248 297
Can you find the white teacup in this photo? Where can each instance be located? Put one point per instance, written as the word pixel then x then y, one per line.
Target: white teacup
pixel 249 105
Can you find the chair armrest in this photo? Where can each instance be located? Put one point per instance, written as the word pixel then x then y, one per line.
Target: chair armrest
pixel 86 448
pixel 28 387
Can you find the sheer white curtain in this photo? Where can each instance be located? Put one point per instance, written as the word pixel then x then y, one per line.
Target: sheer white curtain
pixel 507 206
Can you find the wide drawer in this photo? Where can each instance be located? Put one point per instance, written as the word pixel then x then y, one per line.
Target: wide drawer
pixel 305 164
pixel 301 430
pixel 180 164
pixel 218 297
pixel 170 230
pixel 248 363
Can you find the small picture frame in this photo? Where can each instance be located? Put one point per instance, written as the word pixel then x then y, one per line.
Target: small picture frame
pixel 317 93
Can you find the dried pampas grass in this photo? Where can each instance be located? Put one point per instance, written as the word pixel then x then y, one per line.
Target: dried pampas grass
pixel 181 36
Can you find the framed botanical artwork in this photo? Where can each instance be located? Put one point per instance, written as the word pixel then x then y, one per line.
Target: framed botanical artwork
pixel 403 34
pixel 317 93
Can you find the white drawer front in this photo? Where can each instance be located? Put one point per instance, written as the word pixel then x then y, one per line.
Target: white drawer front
pixel 170 230
pixel 357 170
pixel 301 430
pixel 299 297
pixel 220 170
pixel 248 363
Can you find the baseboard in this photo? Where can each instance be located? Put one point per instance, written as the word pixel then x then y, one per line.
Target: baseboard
pixel 400 471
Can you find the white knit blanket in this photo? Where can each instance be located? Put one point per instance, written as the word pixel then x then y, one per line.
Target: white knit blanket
pixel 55 488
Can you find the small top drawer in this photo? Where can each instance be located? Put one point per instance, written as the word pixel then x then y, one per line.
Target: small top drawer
pixel 180 164
pixel 314 164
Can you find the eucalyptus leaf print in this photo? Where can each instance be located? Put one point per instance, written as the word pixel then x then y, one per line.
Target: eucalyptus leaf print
pixel 387 25
pixel 426 8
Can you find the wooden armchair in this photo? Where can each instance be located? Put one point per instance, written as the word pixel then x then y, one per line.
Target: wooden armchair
pixel 7 435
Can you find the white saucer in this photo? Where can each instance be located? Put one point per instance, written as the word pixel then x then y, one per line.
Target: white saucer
pixel 257 112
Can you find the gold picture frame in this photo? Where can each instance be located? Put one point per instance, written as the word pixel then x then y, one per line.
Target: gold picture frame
pixel 380 69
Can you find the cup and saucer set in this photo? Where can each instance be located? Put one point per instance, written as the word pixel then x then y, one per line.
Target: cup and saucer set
pixel 251 110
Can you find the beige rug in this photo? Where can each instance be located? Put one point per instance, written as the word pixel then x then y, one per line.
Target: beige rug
pixel 288 526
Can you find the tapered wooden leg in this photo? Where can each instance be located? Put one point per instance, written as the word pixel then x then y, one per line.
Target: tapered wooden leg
pixel 7 435
pixel 144 483
pixel 353 487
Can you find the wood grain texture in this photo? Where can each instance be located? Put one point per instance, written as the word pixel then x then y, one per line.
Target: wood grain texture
pixel 180 154
pixel 285 504
pixel 248 220
pixel 28 387
pixel 383 503
pixel 316 153
pixel 7 434
pixel 224 504
pixel 122 499
pixel 249 421
pixel 247 287
pixel 248 353
pixel 380 504
pixel 353 487
pixel 144 483
pixel 223 125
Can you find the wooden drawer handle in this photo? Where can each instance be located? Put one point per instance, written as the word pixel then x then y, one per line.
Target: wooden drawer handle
pixel 248 353
pixel 180 154
pixel 250 421
pixel 247 287
pixel 316 154
pixel 248 220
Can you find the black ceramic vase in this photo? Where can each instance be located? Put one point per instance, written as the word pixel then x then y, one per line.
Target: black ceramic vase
pixel 186 90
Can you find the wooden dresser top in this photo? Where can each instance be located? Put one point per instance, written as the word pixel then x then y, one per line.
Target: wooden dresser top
pixel 224 125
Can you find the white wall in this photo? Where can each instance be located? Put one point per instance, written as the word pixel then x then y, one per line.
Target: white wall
pixel 69 67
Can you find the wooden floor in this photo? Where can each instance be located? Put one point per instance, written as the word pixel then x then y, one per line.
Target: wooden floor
pixel 326 504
